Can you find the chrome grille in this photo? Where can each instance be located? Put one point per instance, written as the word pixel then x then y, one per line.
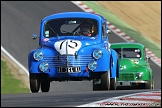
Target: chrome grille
pixel 64 60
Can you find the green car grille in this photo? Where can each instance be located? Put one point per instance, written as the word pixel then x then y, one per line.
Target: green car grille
pixel 127 77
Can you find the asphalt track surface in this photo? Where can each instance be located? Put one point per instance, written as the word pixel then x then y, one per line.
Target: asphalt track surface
pixel 19 20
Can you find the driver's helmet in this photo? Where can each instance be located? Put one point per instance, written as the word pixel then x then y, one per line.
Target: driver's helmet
pixel 87 28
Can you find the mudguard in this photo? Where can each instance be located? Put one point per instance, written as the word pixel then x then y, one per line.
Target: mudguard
pixel 114 64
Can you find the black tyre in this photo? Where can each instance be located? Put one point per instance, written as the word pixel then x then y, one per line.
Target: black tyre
pixel 34 83
pixel 96 86
pixel 105 81
pixel 152 84
pixel 113 84
pixel 149 84
pixel 45 85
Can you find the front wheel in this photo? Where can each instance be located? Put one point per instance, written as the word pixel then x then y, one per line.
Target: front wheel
pixel 96 85
pixel 34 83
pixel 113 84
pixel 149 84
pixel 45 85
pixel 152 84
pixel 105 81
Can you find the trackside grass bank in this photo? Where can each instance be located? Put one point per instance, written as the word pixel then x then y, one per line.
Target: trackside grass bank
pixel 9 84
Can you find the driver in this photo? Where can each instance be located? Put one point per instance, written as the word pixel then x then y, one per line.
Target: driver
pixel 86 28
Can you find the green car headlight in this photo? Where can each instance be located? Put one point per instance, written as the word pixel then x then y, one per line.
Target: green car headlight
pixel 44 66
pixel 97 54
pixel 38 55
pixel 92 65
pixel 139 75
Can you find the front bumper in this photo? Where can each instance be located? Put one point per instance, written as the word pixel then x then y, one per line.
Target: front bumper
pixel 129 83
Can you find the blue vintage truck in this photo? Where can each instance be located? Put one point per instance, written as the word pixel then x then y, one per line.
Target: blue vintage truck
pixel 73 46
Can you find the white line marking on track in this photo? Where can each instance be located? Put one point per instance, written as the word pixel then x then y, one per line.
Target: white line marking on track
pixel 12 58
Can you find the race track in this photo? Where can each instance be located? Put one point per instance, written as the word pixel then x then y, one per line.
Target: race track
pixel 19 20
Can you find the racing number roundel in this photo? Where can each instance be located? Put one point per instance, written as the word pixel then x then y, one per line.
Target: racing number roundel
pixel 67 46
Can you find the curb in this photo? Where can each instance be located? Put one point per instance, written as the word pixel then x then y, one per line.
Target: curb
pixel 143 99
pixel 119 33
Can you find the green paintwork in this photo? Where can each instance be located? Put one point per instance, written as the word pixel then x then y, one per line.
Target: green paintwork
pixel 130 66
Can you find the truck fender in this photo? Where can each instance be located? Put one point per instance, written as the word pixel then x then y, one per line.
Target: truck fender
pixel 114 70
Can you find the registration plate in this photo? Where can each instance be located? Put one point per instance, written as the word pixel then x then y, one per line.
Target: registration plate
pixel 126 83
pixel 68 69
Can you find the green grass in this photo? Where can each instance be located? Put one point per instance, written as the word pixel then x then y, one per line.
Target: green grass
pixel 9 84
pixel 130 31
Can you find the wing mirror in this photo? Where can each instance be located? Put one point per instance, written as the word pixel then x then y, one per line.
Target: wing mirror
pixel 108 32
pixel 147 58
pixel 34 36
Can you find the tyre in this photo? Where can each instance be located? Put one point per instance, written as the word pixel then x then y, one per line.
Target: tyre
pixel 152 84
pixel 105 81
pixel 45 85
pixel 96 86
pixel 34 83
pixel 149 84
pixel 113 84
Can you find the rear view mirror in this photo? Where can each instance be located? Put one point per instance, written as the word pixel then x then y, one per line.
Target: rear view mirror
pixel 34 36
pixel 147 58
pixel 108 32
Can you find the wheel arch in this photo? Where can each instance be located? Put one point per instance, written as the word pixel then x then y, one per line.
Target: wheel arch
pixel 114 69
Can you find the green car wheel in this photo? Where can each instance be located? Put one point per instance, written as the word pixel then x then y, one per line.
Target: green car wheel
pixel 149 85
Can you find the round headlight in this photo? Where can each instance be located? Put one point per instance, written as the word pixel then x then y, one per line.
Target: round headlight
pixel 97 54
pixel 92 65
pixel 43 66
pixel 138 75
pixel 38 55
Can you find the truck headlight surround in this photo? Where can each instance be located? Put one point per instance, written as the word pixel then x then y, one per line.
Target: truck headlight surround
pixel 97 54
pixel 139 75
pixel 43 66
pixel 38 55
pixel 92 65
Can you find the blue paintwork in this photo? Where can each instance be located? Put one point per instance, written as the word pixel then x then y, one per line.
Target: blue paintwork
pixel 88 45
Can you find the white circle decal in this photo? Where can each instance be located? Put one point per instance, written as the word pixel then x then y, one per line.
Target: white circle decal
pixel 67 46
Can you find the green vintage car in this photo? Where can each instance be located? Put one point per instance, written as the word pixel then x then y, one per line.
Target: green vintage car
pixel 135 71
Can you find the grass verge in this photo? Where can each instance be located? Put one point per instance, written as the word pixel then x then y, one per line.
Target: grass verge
pixel 9 84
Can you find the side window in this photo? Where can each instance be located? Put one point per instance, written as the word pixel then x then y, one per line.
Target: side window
pixel 103 30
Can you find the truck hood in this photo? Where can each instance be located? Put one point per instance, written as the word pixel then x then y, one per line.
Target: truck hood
pixel 69 45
